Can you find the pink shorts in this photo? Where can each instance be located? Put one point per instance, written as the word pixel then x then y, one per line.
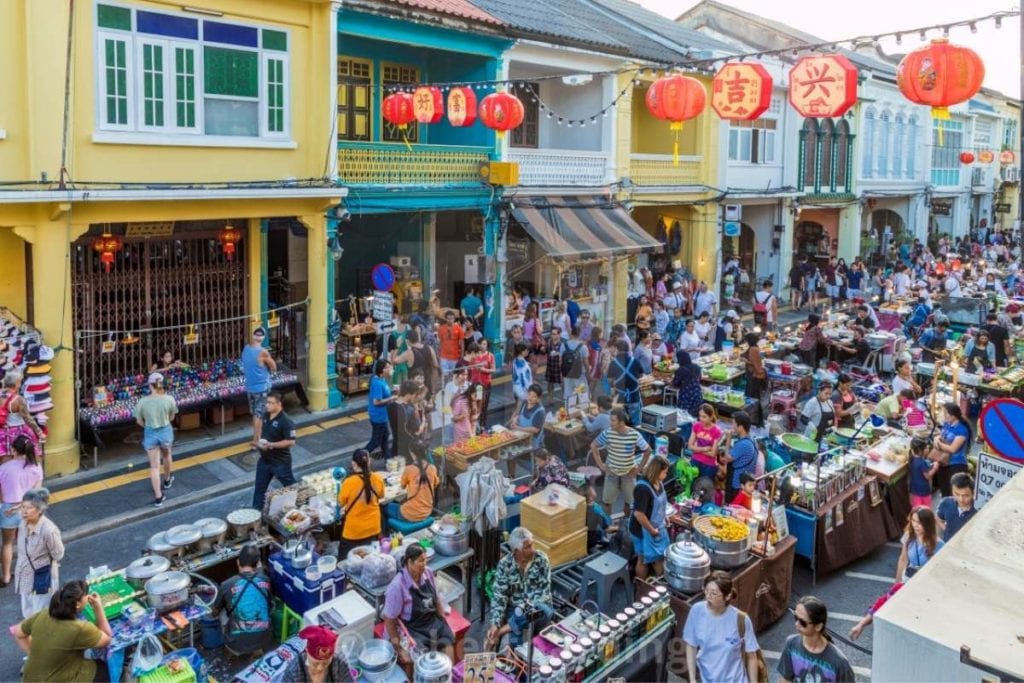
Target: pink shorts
pixel 923 501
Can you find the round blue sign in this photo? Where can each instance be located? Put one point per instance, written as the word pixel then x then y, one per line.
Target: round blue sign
pixel 1002 426
pixel 732 229
pixel 383 277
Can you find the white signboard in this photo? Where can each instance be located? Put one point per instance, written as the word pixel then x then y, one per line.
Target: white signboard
pixel 383 305
pixel 992 473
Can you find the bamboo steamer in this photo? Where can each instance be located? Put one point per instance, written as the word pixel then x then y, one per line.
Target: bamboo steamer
pixel 554 513
pixel 565 549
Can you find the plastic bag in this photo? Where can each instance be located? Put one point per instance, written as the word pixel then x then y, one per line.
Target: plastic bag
pixel 149 654
pixel 378 570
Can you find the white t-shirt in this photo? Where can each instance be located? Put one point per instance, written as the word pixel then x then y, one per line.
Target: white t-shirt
pixel 766 299
pixel 703 330
pixel 717 640
pixel 705 301
pixel 952 286
pixel 691 342
pixel 899 384
pixel 901 282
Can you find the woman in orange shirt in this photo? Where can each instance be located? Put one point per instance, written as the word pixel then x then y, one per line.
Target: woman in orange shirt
pixel 420 481
pixel 359 500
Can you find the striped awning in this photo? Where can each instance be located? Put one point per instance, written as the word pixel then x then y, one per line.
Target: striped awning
pixel 580 227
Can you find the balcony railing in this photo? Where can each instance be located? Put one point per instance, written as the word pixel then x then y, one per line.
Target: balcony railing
pixel 394 164
pixel 560 167
pixel 659 169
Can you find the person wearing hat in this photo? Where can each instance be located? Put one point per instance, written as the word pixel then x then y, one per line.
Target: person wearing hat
pixel 257 366
pixel 318 663
pixel 15 418
pixel 726 328
pixel 154 413
pixel 412 598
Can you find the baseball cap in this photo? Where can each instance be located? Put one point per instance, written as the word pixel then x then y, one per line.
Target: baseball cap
pixel 731 314
pixel 259 333
pixel 156 378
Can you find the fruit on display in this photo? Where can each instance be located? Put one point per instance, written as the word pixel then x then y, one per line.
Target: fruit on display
pixel 721 528
pixel 480 442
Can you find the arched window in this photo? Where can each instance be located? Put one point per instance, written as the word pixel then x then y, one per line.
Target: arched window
pixel 810 152
pixel 897 146
pixel 868 158
pixel 912 129
pixel 883 143
pixel 825 173
pixel 842 135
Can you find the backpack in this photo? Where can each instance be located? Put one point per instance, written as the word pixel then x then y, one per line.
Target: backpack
pixel 572 364
pixel 761 309
pixel 5 409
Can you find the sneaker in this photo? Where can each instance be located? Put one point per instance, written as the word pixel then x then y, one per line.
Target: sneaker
pixel 167 483
pixel 159 501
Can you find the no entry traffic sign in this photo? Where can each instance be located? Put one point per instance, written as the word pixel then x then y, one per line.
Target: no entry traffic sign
pixel 1002 426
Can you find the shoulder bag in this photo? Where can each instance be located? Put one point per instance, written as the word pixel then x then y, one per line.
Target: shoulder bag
pixel 762 666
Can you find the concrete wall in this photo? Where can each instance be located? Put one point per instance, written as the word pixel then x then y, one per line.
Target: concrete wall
pixel 12 275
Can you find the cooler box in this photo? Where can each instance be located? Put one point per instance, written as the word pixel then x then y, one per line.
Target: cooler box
pixel 511 520
pixel 358 614
pixel 298 592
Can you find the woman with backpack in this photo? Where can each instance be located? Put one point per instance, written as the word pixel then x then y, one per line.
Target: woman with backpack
pixel 359 500
pixel 15 420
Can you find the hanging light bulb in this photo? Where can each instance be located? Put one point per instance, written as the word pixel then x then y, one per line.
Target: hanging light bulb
pixel 974 27
pixel 899 39
pixel 945 32
pixel 923 35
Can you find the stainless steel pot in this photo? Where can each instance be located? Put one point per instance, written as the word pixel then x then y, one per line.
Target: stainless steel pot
pixel 186 537
pixel 724 554
pixel 213 530
pixel 376 659
pixel 432 667
pixel 244 521
pixel 302 557
pixel 686 566
pixel 450 540
pixel 168 591
pixel 159 545
pixel 145 568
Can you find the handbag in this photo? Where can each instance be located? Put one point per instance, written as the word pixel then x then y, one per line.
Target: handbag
pixel 762 666
pixel 42 577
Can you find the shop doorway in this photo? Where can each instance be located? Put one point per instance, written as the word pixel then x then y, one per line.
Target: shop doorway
pixel 742 247
pixel 812 241
pixel 458 234
pixel 886 228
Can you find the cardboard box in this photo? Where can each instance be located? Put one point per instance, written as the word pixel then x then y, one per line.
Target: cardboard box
pixel 214 416
pixel 567 549
pixel 189 421
pixel 554 513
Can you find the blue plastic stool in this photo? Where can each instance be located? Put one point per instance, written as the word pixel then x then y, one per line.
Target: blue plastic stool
pixel 406 528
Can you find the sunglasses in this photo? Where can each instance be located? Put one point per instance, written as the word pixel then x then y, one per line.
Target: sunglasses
pixel 801 622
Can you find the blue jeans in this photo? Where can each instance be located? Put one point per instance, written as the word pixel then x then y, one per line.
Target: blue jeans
pixel 634 413
pixel 517 622
pixel 379 438
pixel 265 473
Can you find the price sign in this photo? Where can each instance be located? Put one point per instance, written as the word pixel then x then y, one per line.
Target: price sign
pixel 383 305
pixel 108 347
pixel 992 473
pixel 191 336
pixel 478 667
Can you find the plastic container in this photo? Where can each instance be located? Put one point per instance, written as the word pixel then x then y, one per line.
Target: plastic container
pixel 451 591
pixel 297 591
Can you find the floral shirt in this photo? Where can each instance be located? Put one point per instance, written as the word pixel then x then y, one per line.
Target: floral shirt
pixel 512 588
pixel 554 472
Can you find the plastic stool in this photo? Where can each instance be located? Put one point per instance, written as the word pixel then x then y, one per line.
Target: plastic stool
pixel 290 623
pixel 405 528
pixel 605 571
pixel 781 403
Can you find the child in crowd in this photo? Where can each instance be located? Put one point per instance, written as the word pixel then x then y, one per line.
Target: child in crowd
pixel 599 524
pixel 921 472
pixel 745 496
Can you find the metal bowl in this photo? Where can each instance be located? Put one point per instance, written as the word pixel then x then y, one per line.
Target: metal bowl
pixel 377 659
pixel 724 554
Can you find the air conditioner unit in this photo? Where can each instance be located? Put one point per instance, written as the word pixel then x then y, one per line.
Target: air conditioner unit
pixel 1011 174
pixel 479 270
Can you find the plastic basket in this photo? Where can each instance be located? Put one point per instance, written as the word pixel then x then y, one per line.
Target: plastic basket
pixel 163 674
pixel 115 591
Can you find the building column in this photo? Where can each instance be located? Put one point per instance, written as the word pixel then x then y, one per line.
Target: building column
pixel 786 248
pixel 256 254
pixel 52 316
pixel 494 294
pixel 706 244
pixel 334 395
pixel 849 232
pixel 319 302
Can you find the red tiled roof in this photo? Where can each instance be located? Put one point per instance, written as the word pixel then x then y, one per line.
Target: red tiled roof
pixel 458 8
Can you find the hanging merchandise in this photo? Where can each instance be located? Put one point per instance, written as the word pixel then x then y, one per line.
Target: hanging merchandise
pixel 823 86
pixel 106 245
pixel 741 92
pixel 428 104
pixel 462 107
pixel 986 156
pixel 228 237
pixel 1007 157
pixel 501 112
pixel 966 157
pixel 676 98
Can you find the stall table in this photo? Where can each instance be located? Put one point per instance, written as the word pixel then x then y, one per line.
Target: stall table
pixel 456 462
pixel 564 434
pixel 893 476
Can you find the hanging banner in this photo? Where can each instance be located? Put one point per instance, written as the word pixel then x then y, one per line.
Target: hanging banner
pixel 823 86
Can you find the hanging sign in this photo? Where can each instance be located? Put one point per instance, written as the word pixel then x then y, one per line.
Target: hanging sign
pixel 383 305
pixel 1007 157
pixel 732 229
pixel 109 345
pixel 191 337
pixel 461 107
pixel 823 86
pixel 741 92
pixel 993 472
pixel 427 104
pixel 383 277
pixel 1002 426
pixel 273 320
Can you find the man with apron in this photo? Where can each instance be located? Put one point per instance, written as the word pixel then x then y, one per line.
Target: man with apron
pixel 412 598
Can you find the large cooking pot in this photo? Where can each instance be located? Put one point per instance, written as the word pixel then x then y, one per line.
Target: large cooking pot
pixel 244 521
pixel 686 566
pixel 159 545
pixel 724 554
pixel 450 540
pixel 145 568
pixel 213 530
pixel 376 659
pixel 168 591
pixel 432 667
pixel 186 537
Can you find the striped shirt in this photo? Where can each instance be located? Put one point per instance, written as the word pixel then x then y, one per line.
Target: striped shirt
pixel 622 449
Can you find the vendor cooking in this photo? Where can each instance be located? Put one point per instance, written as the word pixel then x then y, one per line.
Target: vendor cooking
pixel 522 585
pixel 412 597
pixel 818 413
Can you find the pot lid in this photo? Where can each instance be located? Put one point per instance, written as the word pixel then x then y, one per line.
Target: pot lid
pixel 448 530
pixel 211 526
pixel 687 552
pixel 147 567
pixel 183 534
pixel 243 516
pixel 168 582
pixel 433 664
pixel 158 543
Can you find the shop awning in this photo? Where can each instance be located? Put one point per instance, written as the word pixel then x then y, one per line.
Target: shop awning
pixel 579 227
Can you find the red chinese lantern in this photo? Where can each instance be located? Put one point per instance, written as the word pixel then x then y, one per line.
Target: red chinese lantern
pixel 956 265
pixel 228 237
pixel 461 107
pixel 986 156
pixel 940 75
pixel 398 109
pixel 106 245
pixel 1007 157
pixel 428 105
pixel 501 112
pixel 966 157
pixel 940 268
pixel 676 99
pixel 741 92
pixel 823 86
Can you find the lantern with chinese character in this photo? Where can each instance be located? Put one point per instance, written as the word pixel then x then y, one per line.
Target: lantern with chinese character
pixel 823 86
pixel 228 237
pixel 501 112
pixel 940 75
pixel 398 109
pixel 1006 157
pixel 428 104
pixel 966 157
pixel 461 107
pixel 676 99
pixel 106 245
pixel 741 92
pixel 986 156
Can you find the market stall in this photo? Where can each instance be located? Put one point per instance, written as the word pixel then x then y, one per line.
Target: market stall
pixel 499 445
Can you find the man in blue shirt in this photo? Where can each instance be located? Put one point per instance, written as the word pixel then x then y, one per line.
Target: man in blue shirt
pixel 380 397
pixel 624 374
pixel 246 599
pixel 742 457
pixel 956 510
pixel 933 340
pixel 257 367
pixel 472 307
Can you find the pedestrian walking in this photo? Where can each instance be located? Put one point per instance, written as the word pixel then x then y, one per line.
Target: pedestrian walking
pixel 40 550
pixel 809 655
pixel 277 436
pixel 257 366
pixel 154 413
pixel 18 475
pixel 377 407
pixel 720 640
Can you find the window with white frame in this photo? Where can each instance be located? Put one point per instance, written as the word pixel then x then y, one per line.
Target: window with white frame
pixel 173 74
pixel 752 141
pixel 947 143
pixel 884 131
pixel 868 159
pixel 912 132
pixel 899 134
pixel 1010 139
pixel 982 132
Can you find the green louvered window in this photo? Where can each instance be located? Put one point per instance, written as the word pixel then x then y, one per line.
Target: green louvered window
pixel 185 87
pixel 275 87
pixel 115 74
pixel 152 86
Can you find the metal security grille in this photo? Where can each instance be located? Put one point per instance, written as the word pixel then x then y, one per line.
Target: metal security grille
pixel 157 283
